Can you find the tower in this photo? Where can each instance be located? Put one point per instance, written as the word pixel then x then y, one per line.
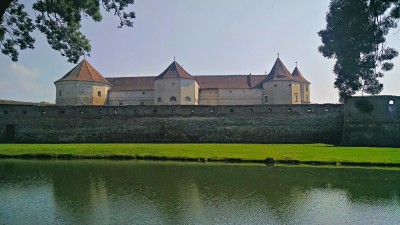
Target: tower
pixel 175 86
pixel 280 87
pixel 83 85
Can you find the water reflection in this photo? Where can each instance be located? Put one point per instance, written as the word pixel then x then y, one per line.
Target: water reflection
pixel 130 192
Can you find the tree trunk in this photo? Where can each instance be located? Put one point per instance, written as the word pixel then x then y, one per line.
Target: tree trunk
pixel 4 4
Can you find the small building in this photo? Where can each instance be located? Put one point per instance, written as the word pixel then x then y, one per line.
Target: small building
pixel 84 85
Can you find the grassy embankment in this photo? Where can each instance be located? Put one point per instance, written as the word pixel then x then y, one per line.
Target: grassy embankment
pixel 283 153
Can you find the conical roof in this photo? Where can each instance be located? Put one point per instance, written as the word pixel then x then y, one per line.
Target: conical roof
pixel 84 72
pixel 279 72
pixel 298 76
pixel 174 70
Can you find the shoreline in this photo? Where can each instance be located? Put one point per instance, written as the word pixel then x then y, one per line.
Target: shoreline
pixel 267 161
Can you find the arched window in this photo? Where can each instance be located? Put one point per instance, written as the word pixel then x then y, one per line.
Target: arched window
pixel 159 99
pixel 188 99
pixel 172 99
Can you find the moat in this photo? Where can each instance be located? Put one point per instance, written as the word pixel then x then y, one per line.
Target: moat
pixel 142 192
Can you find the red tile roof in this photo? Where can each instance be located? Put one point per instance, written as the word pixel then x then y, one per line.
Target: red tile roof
pixel 131 83
pixel 298 76
pixel 279 72
pixel 205 82
pixel 84 72
pixel 174 70
pixel 229 81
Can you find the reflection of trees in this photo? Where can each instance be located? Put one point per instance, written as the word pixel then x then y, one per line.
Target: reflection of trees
pixel 95 192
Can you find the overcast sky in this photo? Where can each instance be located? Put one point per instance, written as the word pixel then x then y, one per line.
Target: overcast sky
pixel 208 37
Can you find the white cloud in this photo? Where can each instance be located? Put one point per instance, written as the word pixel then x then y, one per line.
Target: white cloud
pixel 18 82
pixel 24 73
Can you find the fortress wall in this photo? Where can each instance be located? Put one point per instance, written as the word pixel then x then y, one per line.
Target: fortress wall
pixel 197 124
pixel 372 121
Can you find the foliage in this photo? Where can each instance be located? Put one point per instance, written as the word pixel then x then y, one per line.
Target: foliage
pixel 301 152
pixel 355 36
pixel 59 20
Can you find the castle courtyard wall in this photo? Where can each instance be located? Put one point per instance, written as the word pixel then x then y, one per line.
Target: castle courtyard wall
pixel 195 124
pixel 372 121
pixel 361 121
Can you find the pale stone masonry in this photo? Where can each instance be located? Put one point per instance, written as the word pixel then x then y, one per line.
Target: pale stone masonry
pixel 84 85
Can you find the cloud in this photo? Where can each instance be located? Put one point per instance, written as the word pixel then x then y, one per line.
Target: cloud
pixel 23 72
pixel 18 82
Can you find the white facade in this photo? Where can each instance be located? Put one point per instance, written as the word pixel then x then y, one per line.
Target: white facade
pixel 83 85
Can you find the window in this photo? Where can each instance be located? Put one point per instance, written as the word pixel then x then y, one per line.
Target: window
pixel 391 102
pixel 116 110
pixel 159 99
pixel 265 98
pixel 59 93
pixel 188 99
pixel 99 93
pixel 120 103
pixel 295 98
pixel 172 99
pixel 290 85
pixel 274 85
pixel 143 92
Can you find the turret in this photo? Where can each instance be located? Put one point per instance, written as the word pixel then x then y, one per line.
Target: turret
pixel 304 86
pixel 175 86
pixel 280 87
pixel 83 85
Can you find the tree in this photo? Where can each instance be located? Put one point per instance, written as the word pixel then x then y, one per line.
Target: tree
pixel 59 20
pixel 355 36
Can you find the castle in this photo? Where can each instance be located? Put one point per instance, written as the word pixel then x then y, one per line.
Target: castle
pixel 84 85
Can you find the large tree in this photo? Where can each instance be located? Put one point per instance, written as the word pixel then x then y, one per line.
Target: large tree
pixel 355 36
pixel 59 20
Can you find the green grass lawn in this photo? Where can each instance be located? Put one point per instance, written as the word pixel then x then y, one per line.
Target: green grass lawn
pixel 301 152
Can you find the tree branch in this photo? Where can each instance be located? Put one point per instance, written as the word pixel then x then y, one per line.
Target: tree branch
pixel 4 4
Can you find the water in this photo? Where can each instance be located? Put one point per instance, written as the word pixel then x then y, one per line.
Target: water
pixel 140 192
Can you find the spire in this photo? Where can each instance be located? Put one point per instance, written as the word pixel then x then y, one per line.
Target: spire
pixel 298 76
pixel 84 72
pixel 174 70
pixel 279 72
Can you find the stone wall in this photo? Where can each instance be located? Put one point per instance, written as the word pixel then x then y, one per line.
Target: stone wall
pixel 372 121
pixel 195 124
pixel 81 93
